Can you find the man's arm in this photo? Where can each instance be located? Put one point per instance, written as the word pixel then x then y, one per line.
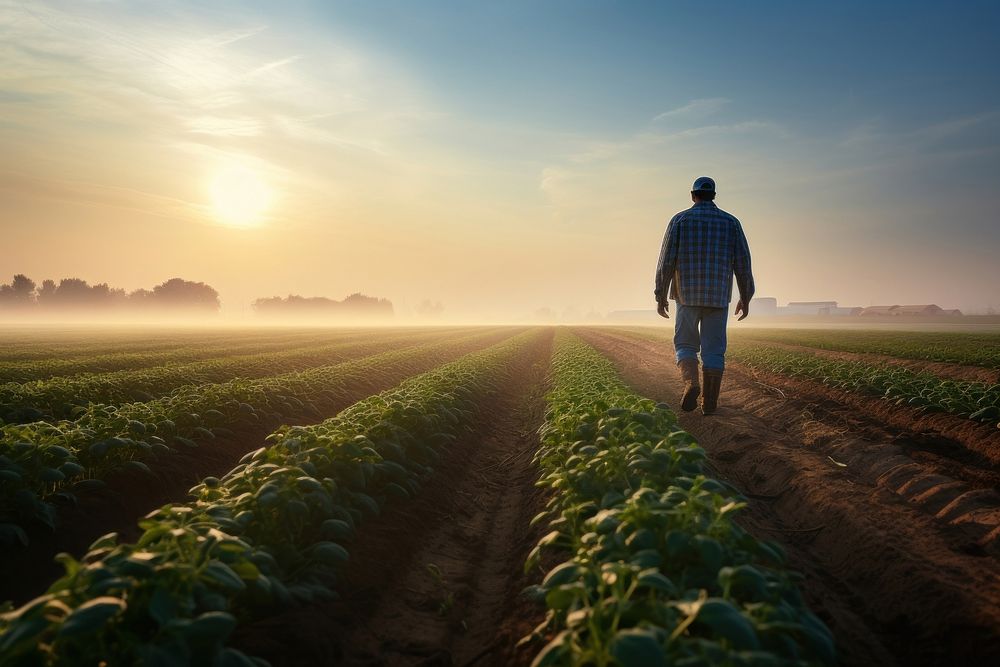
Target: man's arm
pixel 744 276
pixel 665 266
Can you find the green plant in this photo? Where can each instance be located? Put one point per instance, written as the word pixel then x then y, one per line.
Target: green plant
pixel 268 534
pixel 42 464
pixel 65 397
pixel 979 401
pixel 658 571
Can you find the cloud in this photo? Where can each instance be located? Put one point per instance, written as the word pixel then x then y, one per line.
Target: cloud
pixel 225 127
pixel 144 86
pixel 647 141
pixel 96 194
pixel 693 109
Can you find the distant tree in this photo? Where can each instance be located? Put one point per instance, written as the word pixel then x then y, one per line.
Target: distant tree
pixel 429 309
pixel 356 305
pixel 20 293
pixel 23 288
pixel 75 294
pixel 185 294
pixel 72 292
pixel 140 299
pixel 47 291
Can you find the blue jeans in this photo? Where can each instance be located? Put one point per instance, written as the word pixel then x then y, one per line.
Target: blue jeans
pixel 701 328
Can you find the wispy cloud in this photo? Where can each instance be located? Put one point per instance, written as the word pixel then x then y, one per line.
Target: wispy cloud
pixel 142 89
pixel 693 109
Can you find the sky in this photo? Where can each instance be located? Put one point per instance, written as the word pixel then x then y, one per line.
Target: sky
pixel 500 157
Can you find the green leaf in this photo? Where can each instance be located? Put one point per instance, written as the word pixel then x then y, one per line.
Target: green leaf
pixel 636 647
pixel 21 634
pixel 562 597
pixel 213 626
pixel 561 574
pixel 91 616
pixel 656 580
pixel 336 529
pixel 330 552
pixel 246 570
pixel 162 606
pixel 555 652
pixel 726 621
pixel 104 542
pixel 71 469
pixel 223 576
pixel 12 534
pixel 366 502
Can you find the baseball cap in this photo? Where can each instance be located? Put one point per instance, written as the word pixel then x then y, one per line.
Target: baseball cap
pixel 703 183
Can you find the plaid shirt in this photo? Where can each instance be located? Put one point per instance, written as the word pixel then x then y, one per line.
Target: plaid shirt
pixel 702 249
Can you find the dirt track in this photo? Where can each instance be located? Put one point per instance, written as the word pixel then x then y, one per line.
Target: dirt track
pixel 131 496
pixel 437 580
pixel 900 578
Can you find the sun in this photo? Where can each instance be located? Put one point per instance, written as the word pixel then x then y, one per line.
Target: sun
pixel 240 196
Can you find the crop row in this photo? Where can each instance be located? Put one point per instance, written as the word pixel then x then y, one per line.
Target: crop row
pixel 63 397
pixel 962 348
pixel 979 401
pixel 40 344
pixel 43 464
pixel 267 535
pixel 658 571
pixel 28 370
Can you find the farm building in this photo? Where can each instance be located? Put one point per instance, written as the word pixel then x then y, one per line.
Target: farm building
pixel 928 309
pixel 875 311
pixel 817 308
pixel 923 310
pixel 808 307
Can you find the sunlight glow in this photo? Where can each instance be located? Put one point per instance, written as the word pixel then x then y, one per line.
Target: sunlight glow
pixel 240 196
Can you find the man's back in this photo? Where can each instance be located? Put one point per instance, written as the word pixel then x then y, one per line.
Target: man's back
pixel 703 248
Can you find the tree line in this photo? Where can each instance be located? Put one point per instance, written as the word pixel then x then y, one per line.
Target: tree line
pixel 356 305
pixel 23 294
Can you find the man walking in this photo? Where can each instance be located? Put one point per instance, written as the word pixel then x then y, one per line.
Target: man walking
pixel 703 248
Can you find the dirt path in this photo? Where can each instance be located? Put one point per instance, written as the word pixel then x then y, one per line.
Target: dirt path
pixel 27 572
pixel 942 369
pixel 896 585
pixel 437 580
pixel 941 458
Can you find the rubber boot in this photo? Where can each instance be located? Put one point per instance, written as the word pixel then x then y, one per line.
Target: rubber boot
pixel 689 373
pixel 713 384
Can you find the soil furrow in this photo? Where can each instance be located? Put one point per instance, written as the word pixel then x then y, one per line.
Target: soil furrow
pixel 895 585
pixel 437 579
pixel 942 369
pixel 131 495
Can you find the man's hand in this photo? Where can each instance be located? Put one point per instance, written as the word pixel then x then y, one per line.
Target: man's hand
pixel 662 309
pixel 745 307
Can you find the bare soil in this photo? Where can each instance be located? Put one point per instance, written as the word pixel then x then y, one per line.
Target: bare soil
pixel 27 572
pixel 437 579
pixel 896 552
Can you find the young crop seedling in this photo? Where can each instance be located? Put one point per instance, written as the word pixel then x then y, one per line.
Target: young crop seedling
pixel 658 573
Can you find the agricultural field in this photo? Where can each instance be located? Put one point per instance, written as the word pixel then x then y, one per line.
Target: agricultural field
pixel 497 496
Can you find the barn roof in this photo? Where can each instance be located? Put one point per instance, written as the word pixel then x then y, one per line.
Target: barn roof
pixel 918 308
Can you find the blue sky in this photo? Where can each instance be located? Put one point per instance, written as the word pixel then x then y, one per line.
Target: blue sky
pixel 554 137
